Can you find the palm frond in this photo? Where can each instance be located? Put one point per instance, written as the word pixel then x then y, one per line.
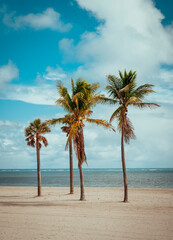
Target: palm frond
pixel 114 81
pixel 44 140
pixel 113 92
pixel 61 89
pixel 128 130
pixel 73 87
pixel 143 105
pixel 133 100
pixel 78 143
pixel 85 113
pixel 66 129
pixel 55 121
pixel 64 104
pixel 100 122
pixel 34 131
pixel 116 113
pixel 103 100
pixel 77 98
pixel 73 130
pixel 128 87
pixel 145 86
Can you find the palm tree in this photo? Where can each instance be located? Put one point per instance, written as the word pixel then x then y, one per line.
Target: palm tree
pixel 66 129
pixel 123 91
pixel 78 106
pixel 33 134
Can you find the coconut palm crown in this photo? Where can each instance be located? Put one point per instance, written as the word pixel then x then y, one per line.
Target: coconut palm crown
pixel 34 131
pixel 34 137
pixel 124 91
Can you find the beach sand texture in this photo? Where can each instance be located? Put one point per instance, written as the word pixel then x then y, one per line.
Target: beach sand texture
pixel 58 215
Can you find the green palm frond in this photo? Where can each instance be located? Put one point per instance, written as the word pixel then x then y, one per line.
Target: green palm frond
pixel 145 86
pixel 100 122
pixel 55 121
pixel 77 98
pixel 64 104
pixel 116 113
pixel 143 92
pixel 129 87
pixel 61 89
pixel 103 100
pixel 128 77
pixel 133 100
pixel 113 92
pixel 94 87
pixel 73 87
pixel 114 81
pixel 144 105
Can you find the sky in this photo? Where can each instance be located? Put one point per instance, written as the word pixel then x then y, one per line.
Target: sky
pixel 44 41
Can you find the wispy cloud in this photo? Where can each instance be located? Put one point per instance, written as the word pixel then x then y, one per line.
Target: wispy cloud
pixel 54 74
pixel 8 73
pixel 48 19
pixel 44 92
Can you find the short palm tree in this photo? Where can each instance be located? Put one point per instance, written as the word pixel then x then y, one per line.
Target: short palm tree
pixel 123 90
pixel 78 106
pixel 34 138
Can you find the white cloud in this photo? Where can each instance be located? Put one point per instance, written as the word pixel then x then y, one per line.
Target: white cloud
pixel 44 92
pixel 8 125
pixel 8 73
pixel 49 19
pixel 54 74
pixel 41 94
pixel 129 36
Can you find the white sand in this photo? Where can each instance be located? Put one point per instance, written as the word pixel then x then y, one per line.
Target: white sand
pixel 58 215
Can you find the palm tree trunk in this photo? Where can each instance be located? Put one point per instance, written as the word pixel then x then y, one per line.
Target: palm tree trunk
pixel 38 168
pixel 71 167
pixel 82 194
pixel 124 167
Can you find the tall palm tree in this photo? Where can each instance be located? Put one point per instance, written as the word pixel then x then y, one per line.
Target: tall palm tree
pixel 66 129
pixel 123 90
pixel 78 106
pixel 34 137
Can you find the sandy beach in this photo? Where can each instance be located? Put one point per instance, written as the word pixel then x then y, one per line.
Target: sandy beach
pixel 58 215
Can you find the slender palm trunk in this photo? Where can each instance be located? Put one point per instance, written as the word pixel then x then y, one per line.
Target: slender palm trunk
pixel 71 167
pixel 38 168
pixel 82 194
pixel 124 167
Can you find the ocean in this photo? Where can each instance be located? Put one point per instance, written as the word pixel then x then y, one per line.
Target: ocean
pixel 137 178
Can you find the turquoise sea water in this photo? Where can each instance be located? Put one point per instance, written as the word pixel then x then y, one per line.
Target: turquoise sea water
pixel 137 178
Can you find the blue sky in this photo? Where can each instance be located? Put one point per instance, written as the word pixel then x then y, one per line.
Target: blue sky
pixel 45 41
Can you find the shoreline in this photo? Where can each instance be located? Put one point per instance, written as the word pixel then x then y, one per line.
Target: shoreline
pixel 77 187
pixel 60 215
